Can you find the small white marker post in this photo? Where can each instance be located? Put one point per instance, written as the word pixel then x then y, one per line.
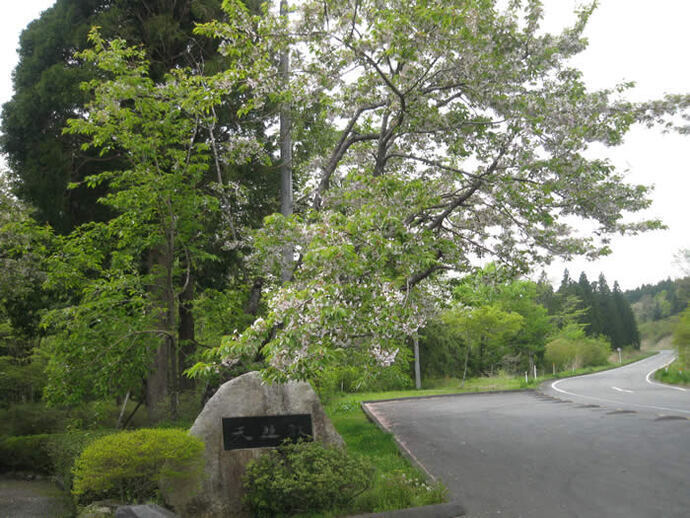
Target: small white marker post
pixel 526 378
pixel 620 360
pixel 535 371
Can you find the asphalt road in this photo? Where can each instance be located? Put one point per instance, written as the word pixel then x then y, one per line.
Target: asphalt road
pixel 630 387
pixel 531 455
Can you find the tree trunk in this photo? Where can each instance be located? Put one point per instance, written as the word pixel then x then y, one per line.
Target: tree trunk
pixel 157 381
pixel 467 357
pixel 252 307
pixel 186 334
pixel 171 325
pixel 417 369
pixel 286 197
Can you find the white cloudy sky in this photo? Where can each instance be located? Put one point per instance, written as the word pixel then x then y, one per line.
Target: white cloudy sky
pixel 629 40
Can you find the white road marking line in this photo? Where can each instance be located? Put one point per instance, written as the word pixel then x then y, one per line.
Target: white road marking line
pixel 649 375
pixel 553 386
pixel 622 390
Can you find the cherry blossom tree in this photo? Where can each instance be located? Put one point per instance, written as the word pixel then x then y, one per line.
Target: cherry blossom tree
pixel 429 135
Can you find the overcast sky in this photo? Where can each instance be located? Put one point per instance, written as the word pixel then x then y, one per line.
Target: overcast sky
pixel 646 42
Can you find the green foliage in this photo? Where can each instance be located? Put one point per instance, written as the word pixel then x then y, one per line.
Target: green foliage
pixel 675 374
pixel 38 418
pixel 681 339
pixel 65 448
pixel 52 454
pixel 20 379
pixel 131 465
pixel 425 174
pixel 46 93
pixel 26 453
pixel 396 484
pixel 486 331
pixel 654 331
pixel 572 349
pixel 400 490
pixel 355 379
pixel 304 476
pixel 599 309
pixel 441 349
pixel 661 300
pixel 32 419
pixel 127 273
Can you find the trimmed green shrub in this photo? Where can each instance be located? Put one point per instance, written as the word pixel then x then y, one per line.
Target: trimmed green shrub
pixel 304 476
pixel 26 453
pixel 131 465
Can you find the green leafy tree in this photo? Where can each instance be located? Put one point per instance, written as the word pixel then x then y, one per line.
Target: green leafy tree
pixel 130 270
pixel 485 329
pixel 493 285
pixel 630 335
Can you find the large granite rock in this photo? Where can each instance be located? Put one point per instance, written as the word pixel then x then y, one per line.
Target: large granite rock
pixel 246 396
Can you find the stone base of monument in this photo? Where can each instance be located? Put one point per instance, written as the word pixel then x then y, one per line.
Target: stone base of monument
pixel 242 420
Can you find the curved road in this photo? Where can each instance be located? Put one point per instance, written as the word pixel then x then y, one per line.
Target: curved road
pixel 630 387
pixel 531 455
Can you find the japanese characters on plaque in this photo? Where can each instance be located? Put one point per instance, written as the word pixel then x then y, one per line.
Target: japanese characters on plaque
pixel 265 431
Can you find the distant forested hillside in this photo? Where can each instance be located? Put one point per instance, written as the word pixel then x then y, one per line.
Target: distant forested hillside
pixel 652 302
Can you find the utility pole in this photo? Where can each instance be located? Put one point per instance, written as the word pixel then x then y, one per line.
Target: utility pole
pixel 286 196
pixel 417 370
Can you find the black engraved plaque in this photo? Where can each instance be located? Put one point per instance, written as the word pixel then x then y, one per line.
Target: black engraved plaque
pixel 265 431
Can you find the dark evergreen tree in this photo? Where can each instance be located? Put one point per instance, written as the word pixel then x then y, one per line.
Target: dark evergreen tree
pixel 47 93
pixel 631 334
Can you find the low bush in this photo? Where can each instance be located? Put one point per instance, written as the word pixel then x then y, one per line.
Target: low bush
pixel 26 453
pixel 304 476
pixel 130 466
pixel 38 418
pixel 572 349
pixel 31 419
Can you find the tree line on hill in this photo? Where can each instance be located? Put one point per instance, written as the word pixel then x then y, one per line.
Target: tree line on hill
pixel 652 302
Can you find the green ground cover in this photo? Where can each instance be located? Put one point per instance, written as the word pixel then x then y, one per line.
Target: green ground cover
pixel 674 374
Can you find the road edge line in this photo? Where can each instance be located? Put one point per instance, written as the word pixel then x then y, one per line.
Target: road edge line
pixel 664 385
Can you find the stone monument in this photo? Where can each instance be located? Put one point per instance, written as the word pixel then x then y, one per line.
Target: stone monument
pixel 241 421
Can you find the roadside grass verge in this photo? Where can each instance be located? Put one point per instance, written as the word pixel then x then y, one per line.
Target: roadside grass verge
pixel 674 374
